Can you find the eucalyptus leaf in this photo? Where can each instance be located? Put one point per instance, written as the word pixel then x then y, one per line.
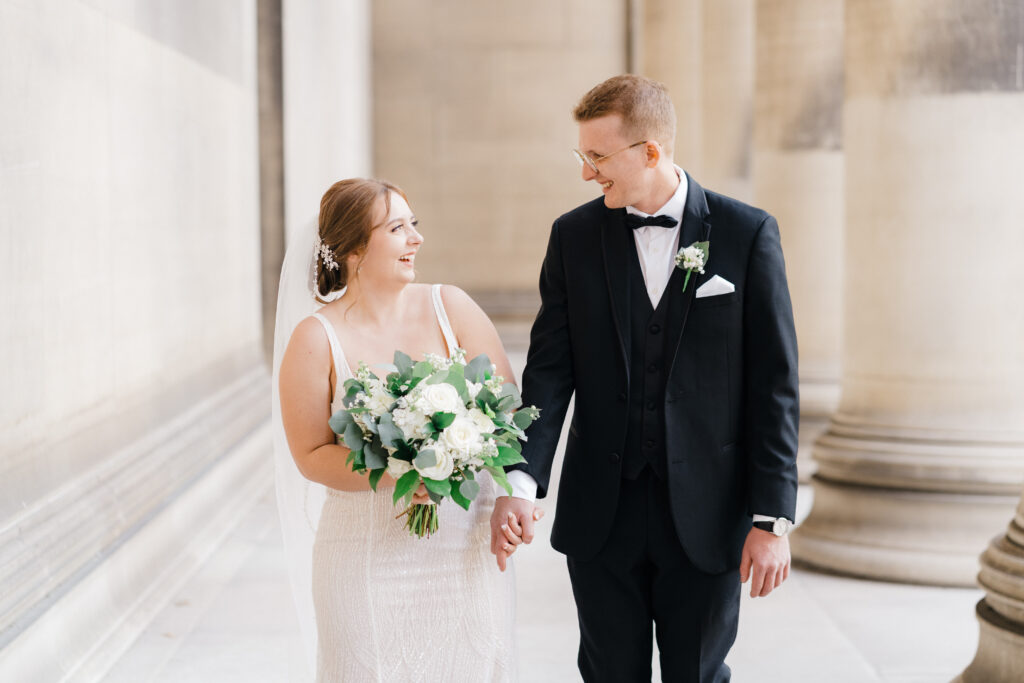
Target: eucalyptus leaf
pixel 426 458
pixel 340 421
pixel 402 362
pixel 469 489
pixel 438 377
pixel 478 369
pixel 522 419
pixel 457 496
pixel 436 497
pixel 406 484
pixel 390 434
pixel 422 369
pixel 354 437
pixel 485 399
pixel 374 455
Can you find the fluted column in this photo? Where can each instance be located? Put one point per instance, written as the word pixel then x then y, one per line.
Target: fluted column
pixel 925 455
pixel 1000 613
pixel 798 177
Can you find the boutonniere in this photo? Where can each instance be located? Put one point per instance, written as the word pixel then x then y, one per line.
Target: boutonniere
pixel 691 258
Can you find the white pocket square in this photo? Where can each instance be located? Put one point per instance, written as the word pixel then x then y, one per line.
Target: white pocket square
pixel 715 286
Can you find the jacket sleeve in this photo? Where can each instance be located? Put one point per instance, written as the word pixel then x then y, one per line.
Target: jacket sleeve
pixel 548 381
pixel 771 383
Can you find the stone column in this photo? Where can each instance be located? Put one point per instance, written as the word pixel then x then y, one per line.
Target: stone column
pixel 925 455
pixel 798 177
pixel 672 52
pixel 727 97
pixel 1001 612
pixel 472 117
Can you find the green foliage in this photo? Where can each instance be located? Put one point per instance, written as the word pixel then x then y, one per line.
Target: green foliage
pixel 478 369
pixel 406 484
pixel 340 421
pixel 442 487
pixel 374 455
pixel 354 437
pixel 442 420
pixel 390 434
pixel 426 458
pixel 506 456
pixel 375 476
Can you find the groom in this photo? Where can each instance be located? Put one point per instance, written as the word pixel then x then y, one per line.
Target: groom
pixel 679 479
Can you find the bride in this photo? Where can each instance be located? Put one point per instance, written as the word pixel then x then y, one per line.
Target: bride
pixel 388 606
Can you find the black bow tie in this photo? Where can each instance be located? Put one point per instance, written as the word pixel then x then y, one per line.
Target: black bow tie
pixel 634 221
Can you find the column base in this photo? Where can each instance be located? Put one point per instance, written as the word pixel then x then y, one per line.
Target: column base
pixel 898 535
pixel 1000 657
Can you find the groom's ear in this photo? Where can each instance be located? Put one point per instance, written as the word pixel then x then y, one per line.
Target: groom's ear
pixel 654 153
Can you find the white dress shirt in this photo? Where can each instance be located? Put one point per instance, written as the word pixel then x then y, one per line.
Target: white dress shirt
pixel 656 249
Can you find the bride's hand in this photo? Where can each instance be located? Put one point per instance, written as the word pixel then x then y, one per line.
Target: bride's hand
pixel 513 534
pixel 421 497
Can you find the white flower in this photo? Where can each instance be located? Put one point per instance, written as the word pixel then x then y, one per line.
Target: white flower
pixel 438 362
pixel 397 467
pixel 413 423
pixel 494 384
pixel 379 400
pixel 691 258
pixel 462 437
pixel 481 421
pixel 443 466
pixel 473 388
pixel 439 398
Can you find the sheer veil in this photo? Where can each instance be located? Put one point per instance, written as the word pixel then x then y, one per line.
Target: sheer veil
pixel 299 500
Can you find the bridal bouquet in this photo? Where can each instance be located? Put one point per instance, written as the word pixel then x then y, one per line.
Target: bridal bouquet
pixel 439 421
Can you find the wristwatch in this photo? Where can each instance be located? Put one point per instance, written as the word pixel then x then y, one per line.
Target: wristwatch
pixel 780 527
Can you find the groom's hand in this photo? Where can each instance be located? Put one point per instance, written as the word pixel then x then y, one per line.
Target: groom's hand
pixel 765 560
pixel 512 518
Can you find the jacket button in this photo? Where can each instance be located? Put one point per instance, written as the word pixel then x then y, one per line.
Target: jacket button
pixel 651 405
pixel 652 368
pixel 655 329
pixel 622 397
pixel 649 443
pixel 614 457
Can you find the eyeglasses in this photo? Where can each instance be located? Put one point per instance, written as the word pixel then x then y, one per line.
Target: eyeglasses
pixel 590 161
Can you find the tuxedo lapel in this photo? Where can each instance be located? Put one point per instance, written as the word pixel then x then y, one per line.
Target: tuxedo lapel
pixel 695 228
pixel 615 247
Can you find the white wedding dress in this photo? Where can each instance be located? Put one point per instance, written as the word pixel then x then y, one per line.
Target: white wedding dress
pixel 392 607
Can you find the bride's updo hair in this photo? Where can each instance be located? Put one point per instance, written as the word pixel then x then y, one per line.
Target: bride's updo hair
pixel 346 221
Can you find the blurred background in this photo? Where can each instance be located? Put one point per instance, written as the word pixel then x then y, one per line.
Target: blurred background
pixel 156 154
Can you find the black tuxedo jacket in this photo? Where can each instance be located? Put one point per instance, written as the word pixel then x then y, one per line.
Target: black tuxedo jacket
pixel 731 403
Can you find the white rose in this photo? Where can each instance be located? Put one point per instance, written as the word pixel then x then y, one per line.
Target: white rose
pixel 463 437
pixel 440 398
pixel 443 466
pixel 396 467
pixel 481 421
pixel 380 400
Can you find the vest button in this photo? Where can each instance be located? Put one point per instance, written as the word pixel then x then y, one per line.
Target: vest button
pixel 655 329
pixel 614 457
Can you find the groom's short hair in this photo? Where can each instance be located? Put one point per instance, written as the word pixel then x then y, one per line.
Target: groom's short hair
pixel 644 105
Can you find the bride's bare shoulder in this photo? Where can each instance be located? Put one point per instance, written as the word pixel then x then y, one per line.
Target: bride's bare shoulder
pixel 461 308
pixel 309 336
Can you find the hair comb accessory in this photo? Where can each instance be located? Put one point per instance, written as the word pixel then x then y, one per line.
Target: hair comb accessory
pixel 326 254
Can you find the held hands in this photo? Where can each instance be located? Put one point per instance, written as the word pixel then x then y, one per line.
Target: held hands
pixel 512 524
pixel 766 559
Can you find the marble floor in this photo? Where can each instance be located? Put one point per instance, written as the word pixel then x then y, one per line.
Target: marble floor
pixel 232 621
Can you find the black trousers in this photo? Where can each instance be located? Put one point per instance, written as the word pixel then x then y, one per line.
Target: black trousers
pixel 642 576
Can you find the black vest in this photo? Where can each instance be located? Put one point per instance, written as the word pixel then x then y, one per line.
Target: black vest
pixel 648 372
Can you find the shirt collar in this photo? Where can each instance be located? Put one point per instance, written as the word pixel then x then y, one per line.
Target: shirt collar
pixel 674 206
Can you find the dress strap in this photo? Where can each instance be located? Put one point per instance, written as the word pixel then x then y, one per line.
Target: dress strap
pixel 442 319
pixel 341 368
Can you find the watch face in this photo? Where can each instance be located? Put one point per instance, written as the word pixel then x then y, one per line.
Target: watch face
pixel 781 527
